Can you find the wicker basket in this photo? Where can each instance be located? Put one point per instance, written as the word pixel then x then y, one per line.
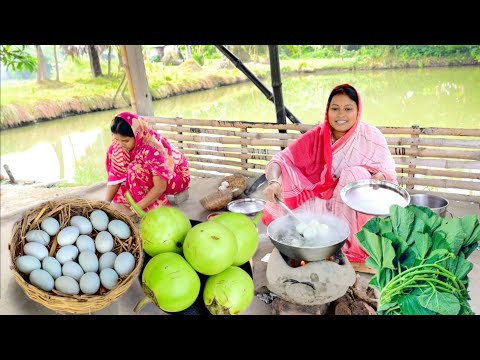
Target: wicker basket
pixel 236 181
pixel 217 200
pixel 63 210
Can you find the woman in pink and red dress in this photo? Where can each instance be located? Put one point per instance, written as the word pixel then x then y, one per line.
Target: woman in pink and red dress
pixel 142 162
pixel 310 173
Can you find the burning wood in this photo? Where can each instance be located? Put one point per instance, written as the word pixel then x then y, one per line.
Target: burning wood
pixel 360 299
pixel 297 263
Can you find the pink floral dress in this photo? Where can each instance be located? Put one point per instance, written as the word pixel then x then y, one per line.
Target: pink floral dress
pixel 152 156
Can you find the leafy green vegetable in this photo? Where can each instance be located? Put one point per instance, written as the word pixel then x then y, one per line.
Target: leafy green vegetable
pixel 409 305
pixel 454 234
pixel 439 302
pixel 402 221
pixel 380 249
pixel 420 260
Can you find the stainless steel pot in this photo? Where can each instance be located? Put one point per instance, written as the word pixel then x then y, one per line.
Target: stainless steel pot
pixel 283 235
pixel 436 203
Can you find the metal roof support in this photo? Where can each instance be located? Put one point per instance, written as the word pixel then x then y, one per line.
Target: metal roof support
pixel 277 83
pixel 268 94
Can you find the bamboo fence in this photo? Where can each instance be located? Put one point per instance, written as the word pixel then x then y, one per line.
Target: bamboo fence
pixel 429 160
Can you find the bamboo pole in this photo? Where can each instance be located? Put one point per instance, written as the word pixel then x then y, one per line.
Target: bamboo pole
pixel 226 149
pixel 193 162
pixel 305 127
pixel 227 123
pixel 216 146
pixel 424 152
pixel 186 130
pixel 228 155
pixel 225 170
pixel 440 183
pixel 205 174
pixel 402 141
pixel 228 140
pixel 244 150
pixel 411 167
pixel 430 131
pixel 217 161
pixel 438 163
pixel 446 173
pixel 450 196
pixel 451 143
pixel 243 134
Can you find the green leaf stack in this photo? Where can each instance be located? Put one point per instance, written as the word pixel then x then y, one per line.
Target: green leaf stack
pixel 420 260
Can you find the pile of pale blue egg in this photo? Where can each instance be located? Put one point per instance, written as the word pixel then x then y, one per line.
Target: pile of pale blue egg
pixel 85 259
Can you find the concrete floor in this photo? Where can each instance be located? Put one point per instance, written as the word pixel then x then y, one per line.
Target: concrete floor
pixel 14 301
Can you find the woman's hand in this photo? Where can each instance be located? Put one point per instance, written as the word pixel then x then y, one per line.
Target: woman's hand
pixel 273 191
pixel 111 192
pixel 159 187
pixel 378 177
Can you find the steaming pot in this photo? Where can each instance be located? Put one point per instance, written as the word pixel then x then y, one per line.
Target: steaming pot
pixel 281 226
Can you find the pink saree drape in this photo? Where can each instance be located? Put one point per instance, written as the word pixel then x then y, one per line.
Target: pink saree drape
pixel 314 172
pixel 152 155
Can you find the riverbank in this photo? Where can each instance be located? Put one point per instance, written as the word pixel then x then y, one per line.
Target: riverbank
pixel 27 102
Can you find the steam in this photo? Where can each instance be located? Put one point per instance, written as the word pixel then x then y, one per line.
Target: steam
pixel 284 230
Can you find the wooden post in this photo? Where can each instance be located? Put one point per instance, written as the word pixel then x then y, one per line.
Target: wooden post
pixel 137 79
pixel 412 167
pixel 9 173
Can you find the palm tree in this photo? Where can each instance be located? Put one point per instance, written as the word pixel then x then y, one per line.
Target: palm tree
pixel 92 50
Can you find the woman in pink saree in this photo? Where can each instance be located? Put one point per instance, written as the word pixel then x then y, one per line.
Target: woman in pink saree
pixel 310 173
pixel 143 162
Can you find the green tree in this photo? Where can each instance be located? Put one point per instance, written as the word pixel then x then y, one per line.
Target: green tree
pixel 16 58
pixel 42 73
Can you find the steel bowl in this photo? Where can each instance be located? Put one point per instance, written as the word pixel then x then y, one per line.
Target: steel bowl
pixel 373 197
pixel 247 206
pixel 301 252
pixel 436 203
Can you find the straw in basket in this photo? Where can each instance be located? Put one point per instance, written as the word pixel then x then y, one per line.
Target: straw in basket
pixel 237 182
pixel 63 210
pixel 217 200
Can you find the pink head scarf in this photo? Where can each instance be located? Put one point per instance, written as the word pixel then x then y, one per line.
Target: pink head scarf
pixel 149 145
pixel 317 166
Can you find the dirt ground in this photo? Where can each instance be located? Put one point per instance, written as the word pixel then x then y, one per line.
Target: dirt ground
pixel 16 199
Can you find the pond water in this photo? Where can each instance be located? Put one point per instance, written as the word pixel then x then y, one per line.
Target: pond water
pixel 73 148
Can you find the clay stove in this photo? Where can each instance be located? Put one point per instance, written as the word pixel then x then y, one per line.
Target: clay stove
pixel 309 283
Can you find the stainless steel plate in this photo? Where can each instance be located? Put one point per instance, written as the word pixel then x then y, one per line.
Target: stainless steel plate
pixel 246 206
pixel 374 197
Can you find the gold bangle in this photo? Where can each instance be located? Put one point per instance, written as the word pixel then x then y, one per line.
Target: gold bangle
pixel 270 182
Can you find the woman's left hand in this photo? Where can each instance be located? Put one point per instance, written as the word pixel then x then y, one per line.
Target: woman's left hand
pixel 378 176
